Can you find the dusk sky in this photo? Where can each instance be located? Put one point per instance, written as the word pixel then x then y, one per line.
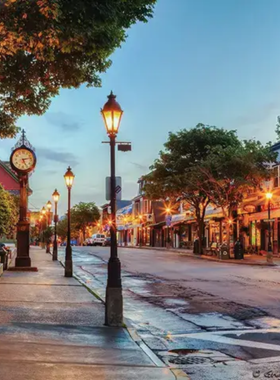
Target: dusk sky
pixel 210 61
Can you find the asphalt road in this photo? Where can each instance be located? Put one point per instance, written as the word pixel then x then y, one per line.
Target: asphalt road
pixel 213 320
pixel 256 286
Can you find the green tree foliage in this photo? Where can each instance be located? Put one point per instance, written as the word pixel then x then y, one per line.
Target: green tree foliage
pixel 84 214
pixel 46 235
pixel 8 212
pixel 46 45
pixel 234 171
pixel 206 165
pixel 277 130
pixel 62 229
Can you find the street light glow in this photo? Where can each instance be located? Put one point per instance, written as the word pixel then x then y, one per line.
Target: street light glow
pixel 112 114
pixel 49 205
pixel 268 195
pixel 56 196
pixel 43 211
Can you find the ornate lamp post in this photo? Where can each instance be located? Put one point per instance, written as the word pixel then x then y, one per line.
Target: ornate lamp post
pixel 69 179
pixel 48 217
pixel 112 114
pixel 141 231
pixel 49 207
pixel 269 257
pixel 55 196
pixel 168 212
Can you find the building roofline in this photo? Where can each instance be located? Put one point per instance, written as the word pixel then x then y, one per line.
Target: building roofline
pixel 9 171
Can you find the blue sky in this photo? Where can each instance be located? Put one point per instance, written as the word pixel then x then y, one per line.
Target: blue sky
pixel 210 61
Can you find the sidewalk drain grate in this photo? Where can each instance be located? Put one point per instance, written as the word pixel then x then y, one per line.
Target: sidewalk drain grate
pixel 190 360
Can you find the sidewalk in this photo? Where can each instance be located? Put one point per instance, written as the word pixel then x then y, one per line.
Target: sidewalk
pixel 52 328
pixel 248 259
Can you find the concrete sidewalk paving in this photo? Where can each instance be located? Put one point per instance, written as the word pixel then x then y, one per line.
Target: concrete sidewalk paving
pixel 52 328
pixel 248 259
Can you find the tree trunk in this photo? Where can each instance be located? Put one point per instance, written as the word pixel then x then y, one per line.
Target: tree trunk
pixel 200 236
pixel 228 228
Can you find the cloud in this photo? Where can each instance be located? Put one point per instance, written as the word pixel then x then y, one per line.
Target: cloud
pixel 53 155
pixel 258 115
pixel 63 121
pixel 140 166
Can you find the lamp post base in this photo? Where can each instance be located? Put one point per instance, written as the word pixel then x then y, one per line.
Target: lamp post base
pixel 54 257
pixel 68 268
pixel 22 262
pixel 114 307
pixel 269 257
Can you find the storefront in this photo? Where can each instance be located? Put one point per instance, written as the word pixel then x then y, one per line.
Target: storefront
pixel 258 230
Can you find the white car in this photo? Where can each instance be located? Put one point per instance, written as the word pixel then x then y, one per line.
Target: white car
pixel 98 239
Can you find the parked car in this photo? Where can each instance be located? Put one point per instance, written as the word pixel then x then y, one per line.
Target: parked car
pixel 88 242
pixel 108 241
pixel 98 239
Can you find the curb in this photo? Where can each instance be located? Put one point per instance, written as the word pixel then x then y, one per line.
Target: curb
pixel 131 330
pixel 179 374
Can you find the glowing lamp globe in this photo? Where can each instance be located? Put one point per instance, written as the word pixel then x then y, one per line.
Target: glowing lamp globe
pixel 56 196
pixel 69 178
pixel 112 114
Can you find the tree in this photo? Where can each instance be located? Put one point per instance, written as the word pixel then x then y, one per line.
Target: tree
pixel 46 45
pixel 14 215
pixel 62 229
pixel 181 172
pixel 46 235
pixel 277 130
pixel 84 214
pixel 233 171
pixel 8 212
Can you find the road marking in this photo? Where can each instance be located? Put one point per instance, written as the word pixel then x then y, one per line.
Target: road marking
pixel 218 337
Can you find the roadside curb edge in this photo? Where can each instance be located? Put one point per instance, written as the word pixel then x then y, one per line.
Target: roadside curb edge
pixel 179 374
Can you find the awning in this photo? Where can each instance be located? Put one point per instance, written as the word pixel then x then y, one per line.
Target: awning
pixel 264 215
pixel 157 224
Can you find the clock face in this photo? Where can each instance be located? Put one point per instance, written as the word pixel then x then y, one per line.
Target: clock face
pixel 23 159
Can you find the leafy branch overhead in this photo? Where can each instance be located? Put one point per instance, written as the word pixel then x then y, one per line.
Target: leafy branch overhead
pixel 46 45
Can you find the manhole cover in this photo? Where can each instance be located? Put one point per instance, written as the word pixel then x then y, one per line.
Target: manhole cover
pixel 190 360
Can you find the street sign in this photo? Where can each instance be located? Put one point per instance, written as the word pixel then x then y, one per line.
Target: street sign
pixel 124 147
pixel 118 188
pixel 269 220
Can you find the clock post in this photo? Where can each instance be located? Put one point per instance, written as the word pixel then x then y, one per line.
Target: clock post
pixel 23 227
pixel 23 162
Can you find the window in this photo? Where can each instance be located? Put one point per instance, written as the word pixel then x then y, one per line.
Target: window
pixel 275 176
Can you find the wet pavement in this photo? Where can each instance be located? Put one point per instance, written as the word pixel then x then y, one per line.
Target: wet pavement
pixel 195 315
pixel 52 327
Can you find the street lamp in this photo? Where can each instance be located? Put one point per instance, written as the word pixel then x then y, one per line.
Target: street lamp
pixel 55 196
pixel 49 207
pixel 269 257
pixel 112 114
pixel 48 215
pixel 69 179
pixel 141 231
pixel 168 212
